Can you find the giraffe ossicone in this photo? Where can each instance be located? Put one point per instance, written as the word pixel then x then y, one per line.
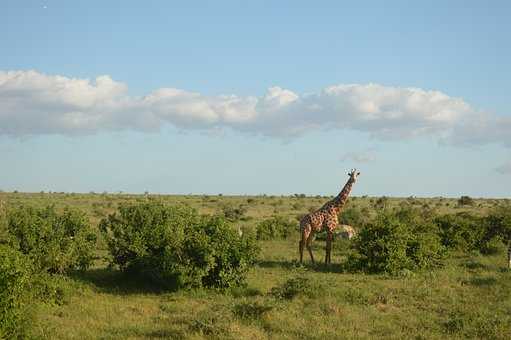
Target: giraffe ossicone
pixel 325 218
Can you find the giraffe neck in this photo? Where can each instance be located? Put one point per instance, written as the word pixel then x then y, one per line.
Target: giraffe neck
pixel 340 200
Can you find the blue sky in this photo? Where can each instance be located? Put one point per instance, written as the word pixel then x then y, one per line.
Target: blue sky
pixel 264 97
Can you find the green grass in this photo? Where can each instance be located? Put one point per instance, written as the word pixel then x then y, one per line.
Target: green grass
pixel 470 297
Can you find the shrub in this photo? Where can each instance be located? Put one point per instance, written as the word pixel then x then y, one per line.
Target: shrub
pixel 276 227
pixel 381 202
pixel 55 242
pixel 353 216
pixel 394 242
pixel 498 228
pixel 175 247
pixel 234 213
pixel 14 279
pixel 466 200
pixel 50 288
pixel 297 206
pixel 461 231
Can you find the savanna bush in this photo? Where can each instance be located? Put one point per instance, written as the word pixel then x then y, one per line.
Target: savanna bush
pixel 51 289
pixel 14 281
pixel 55 242
pixel 353 216
pixel 232 213
pixel 498 229
pixel 462 231
pixel 396 241
pixel 174 246
pixel 466 200
pixel 277 227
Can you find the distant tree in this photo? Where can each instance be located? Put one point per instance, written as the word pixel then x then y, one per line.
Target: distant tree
pixel 465 200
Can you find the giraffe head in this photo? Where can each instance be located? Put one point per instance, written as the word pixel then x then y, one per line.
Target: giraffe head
pixel 354 174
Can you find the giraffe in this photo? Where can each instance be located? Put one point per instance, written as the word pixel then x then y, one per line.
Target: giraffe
pixel 325 217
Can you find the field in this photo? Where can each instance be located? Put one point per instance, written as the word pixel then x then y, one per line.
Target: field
pixel 469 297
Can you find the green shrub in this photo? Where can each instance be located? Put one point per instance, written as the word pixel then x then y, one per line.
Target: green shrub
pixel 394 242
pixel 498 229
pixel 14 281
pixel 461 231
pixel 55 242
pixel 276 227
pixel 50 288
pixel 353 216
pixel 381 202
pixel 175 247
pixel 232 213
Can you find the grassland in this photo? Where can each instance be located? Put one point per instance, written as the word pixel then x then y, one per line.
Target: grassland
pixel 470 297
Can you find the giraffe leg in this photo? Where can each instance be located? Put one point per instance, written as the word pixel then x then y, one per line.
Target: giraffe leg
pixel 328 254
pixel 300 248
pixel 308 245
pixel 509 254
pixel 303 240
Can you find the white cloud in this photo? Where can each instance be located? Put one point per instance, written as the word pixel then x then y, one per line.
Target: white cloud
pixel 33 103
pixel 504 169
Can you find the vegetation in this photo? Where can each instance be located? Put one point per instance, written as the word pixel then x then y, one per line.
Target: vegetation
pixel 232 213
pixel 14 280
pixel 462 231
pixel 175 247
pixel 465 293
pixel 55 242
pixel 466 200
pixel 394 242
pixel 277 227
pixel 297 286
pixel 498 226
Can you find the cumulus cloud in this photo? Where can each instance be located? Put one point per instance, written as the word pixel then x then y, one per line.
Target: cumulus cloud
pixel 33 103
